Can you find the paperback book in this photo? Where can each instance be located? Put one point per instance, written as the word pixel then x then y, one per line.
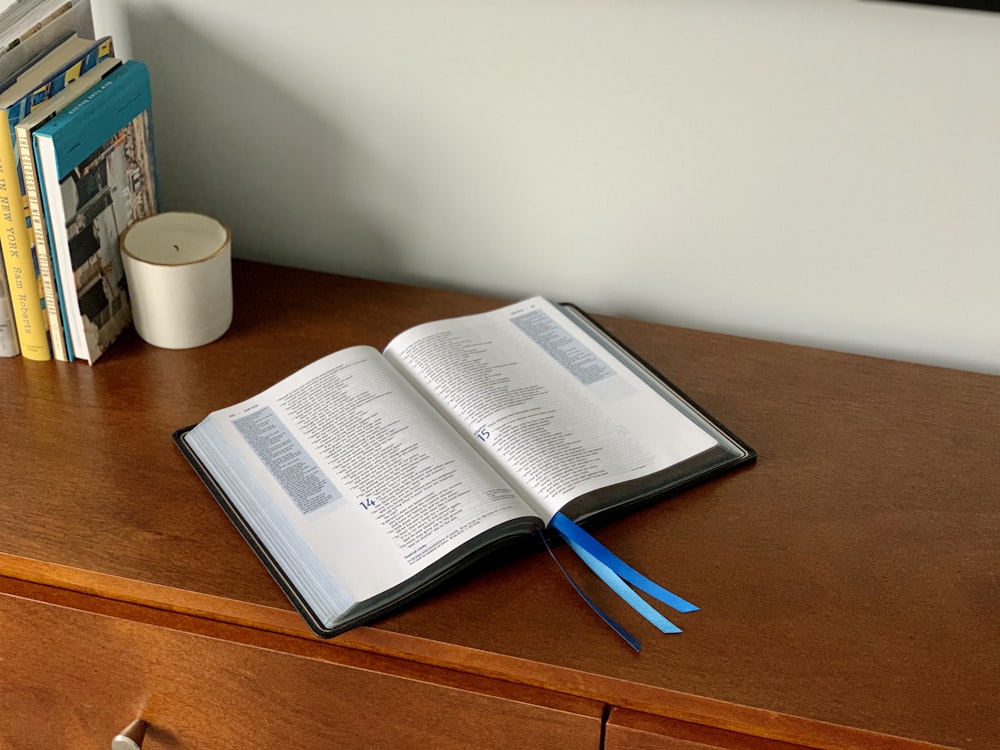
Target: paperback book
pixel 367 478
pixel 98 175
pixel 41 81
pixel 31 29
pixel 62 346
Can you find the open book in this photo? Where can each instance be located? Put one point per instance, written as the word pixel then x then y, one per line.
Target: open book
pixel 367 477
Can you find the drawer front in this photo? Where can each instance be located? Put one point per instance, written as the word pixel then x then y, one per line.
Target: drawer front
pixel 72 679
pixel 631 730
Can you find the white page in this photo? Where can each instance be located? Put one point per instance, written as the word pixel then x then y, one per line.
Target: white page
pixel 545 401
pixel 376 484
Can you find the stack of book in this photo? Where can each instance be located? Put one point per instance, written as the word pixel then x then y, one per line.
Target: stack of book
pixel 77 167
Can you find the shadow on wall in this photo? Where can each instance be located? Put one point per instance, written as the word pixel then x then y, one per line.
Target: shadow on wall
pixel 233 144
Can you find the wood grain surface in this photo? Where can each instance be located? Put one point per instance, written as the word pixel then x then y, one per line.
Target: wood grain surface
pixel 848 582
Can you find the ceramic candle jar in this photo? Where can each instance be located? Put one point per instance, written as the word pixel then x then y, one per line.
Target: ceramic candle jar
pixel 179 271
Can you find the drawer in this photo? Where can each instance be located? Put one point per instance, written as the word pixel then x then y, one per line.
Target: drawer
pixel 631 730
pixel 72 678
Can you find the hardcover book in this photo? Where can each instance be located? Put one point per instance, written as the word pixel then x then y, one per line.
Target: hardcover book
pixel 366 478
pixel 42 80
pixel 98 175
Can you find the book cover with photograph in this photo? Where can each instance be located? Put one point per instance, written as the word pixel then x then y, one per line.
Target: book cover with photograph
pixel 62 345
pixel 98 175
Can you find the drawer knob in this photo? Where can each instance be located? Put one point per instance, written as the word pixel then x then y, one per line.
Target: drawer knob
pixel 130 738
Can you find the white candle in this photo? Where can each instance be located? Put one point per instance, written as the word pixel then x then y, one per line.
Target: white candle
pixel 179 271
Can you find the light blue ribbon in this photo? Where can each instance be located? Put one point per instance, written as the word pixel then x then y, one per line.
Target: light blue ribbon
pixel 617 574
pixel 580 538
pixel 621 588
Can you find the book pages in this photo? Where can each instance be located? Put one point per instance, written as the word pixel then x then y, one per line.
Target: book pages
pixel 557 412
pixel 350 473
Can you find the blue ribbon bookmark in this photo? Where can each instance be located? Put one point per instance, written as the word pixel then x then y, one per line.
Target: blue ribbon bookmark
pixel 630 639
pixel 578 538
pixel 614 581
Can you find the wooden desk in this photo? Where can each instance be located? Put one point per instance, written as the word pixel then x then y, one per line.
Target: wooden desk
pixel 848 582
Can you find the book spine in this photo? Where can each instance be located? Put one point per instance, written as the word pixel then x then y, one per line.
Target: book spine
pixel 8 330
pixel 55 218
pixel 9 347
pixel 22 281
pixel 42 255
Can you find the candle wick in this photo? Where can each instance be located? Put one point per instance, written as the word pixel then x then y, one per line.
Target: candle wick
pixel 177 248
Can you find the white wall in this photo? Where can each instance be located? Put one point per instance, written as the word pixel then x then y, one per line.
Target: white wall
pixel 815 171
